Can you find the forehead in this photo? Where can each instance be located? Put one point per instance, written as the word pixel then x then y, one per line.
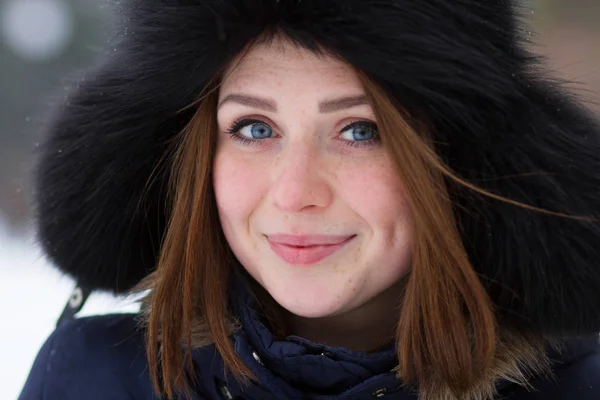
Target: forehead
pixel 281 64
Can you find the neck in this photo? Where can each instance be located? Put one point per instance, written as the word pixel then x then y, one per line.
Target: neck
pixel 365 329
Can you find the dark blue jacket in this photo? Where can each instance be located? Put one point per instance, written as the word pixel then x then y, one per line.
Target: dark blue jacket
pixel 104 358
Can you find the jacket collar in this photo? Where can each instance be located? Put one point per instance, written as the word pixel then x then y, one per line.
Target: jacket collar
pixel 294 365
pixel 297 368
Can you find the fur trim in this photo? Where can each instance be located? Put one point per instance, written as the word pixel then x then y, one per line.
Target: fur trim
pixel 518 360
pixel 504 126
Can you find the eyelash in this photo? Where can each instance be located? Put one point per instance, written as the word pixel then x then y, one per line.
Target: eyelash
pixel 237 125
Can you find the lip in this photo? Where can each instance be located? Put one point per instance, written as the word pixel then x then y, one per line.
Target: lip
pixel 306 249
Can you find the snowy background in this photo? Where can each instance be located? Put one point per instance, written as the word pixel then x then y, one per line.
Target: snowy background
pixel 32 297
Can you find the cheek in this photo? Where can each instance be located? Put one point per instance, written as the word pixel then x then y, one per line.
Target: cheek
pixel 375 192
pixel 237 184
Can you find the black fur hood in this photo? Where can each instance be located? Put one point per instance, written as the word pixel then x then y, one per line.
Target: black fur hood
pixel 504 126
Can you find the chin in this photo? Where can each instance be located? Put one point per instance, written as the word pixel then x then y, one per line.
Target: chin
pixel 309 309
pixel 309 301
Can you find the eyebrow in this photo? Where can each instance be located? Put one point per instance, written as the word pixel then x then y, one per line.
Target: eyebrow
pixel 326 106
pixel 342 103
pixel 250 101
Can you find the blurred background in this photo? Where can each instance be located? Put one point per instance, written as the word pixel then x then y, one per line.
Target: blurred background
pixel 44 42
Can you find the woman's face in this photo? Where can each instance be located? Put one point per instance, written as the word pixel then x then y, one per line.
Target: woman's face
pixel 307 196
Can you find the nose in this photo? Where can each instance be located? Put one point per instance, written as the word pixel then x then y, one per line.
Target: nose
pixel 300 180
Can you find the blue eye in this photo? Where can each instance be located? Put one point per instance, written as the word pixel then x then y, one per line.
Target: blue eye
pixel 253 130
pixel 250 131
pixel 360 131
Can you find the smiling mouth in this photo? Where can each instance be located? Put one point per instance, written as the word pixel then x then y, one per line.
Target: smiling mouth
pixel 306 249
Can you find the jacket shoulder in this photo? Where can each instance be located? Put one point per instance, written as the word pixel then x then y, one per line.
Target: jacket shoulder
pixel 93 358
pixel 577 377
